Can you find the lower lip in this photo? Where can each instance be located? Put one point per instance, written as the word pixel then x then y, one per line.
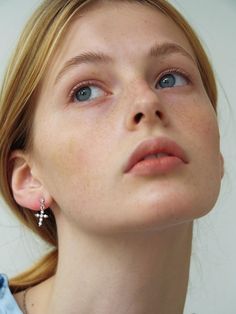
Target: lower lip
pixel 156 166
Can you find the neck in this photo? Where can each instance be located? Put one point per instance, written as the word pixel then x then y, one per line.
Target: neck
pixel 135 274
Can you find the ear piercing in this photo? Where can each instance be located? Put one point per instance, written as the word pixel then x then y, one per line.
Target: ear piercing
pixel 41 215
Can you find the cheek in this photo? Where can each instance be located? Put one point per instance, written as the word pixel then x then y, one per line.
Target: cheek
pixel 71 165
pixel 198 126
pixel 197 118
pixel 205 127
pixel 75 150
pixel 204 141
pixel 204 131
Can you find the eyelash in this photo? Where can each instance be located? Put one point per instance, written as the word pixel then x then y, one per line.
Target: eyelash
pixel 95 83
pixel 81 85
pixel 175 71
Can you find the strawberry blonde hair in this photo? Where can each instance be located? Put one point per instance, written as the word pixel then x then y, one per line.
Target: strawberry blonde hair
pixel 35 48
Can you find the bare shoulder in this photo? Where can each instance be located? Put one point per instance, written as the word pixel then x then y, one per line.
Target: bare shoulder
pixel 29 298
pixel 19 297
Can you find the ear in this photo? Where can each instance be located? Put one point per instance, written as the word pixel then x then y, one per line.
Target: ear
pixel 27 190
pixel 222 165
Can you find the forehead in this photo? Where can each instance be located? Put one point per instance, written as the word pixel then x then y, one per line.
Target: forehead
pixel 123 30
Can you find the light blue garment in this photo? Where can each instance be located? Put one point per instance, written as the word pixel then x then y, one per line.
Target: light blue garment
pixel 8 304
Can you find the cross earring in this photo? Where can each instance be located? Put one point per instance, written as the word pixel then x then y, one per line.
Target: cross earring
pixel 41 215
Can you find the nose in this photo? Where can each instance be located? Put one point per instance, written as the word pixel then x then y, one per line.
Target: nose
pixel 145 107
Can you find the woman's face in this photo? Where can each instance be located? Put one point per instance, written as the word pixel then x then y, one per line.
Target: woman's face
pixel 123 75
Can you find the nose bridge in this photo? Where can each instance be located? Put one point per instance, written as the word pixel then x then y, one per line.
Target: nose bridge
pixel 143 104
pixel 143 93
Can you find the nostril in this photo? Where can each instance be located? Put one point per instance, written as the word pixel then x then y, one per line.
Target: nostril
pixel 138 117
pixel 159 114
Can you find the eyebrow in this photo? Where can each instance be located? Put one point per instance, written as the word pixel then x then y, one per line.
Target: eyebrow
pixel 167 49
pixel 157 51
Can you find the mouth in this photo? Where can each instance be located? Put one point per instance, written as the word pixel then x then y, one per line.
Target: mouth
pixel 155 156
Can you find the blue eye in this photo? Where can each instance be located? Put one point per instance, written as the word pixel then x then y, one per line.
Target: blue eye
pixel 87 93
pixel 172 80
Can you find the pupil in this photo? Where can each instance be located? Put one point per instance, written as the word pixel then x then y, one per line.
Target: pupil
pixel 83 94
pixel 167 81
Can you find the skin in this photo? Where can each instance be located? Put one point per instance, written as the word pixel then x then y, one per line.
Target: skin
pixel 138 229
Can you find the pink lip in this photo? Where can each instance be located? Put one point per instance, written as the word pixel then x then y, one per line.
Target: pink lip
pixel 155 166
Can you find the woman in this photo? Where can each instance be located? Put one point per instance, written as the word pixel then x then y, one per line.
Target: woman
pixel 109 150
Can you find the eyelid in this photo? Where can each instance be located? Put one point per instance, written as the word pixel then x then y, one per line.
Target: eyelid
pixel 175 71
pixel 83 84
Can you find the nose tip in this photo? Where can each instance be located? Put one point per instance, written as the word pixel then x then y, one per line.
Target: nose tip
pixel 145 107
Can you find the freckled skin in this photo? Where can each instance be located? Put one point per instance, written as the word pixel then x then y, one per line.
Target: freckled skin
pixel 80 150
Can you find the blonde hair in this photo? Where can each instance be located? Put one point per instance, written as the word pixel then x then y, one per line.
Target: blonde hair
pixel 36 46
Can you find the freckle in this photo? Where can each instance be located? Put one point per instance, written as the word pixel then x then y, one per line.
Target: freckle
pixel 32 305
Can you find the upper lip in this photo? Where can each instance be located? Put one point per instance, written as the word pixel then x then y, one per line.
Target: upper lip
pixel 155 146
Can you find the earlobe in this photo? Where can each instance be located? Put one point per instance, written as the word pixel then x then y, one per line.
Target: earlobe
pixel 27 190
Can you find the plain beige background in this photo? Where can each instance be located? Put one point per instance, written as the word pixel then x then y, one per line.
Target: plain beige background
pixel 212 287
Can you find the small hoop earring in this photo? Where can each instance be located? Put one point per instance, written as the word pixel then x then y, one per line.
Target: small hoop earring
pixel 41 215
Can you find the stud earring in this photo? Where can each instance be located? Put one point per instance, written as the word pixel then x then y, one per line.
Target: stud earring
pixel 41 215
